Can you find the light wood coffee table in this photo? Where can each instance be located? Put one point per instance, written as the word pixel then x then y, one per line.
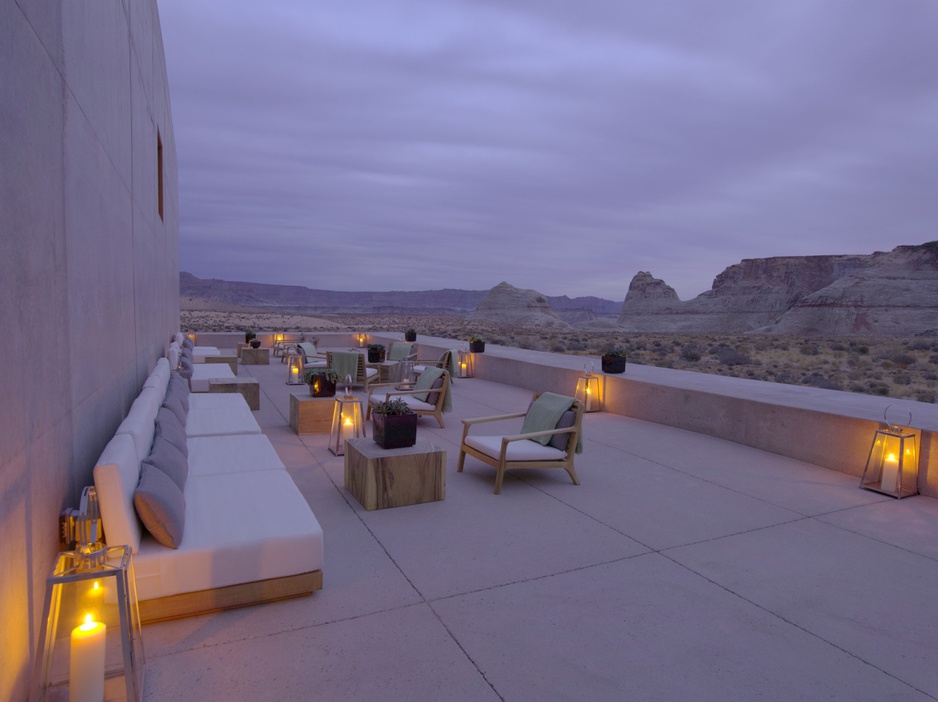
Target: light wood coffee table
pixel 380 478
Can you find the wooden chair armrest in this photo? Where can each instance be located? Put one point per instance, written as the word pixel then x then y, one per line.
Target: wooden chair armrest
pixel 480 420
pixel 537 434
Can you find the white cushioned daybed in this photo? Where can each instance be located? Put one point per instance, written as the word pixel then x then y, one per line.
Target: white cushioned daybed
pixel 199 353
pixel 198 374
pixel 238 530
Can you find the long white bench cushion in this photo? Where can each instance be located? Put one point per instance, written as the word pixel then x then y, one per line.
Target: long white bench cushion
pixel 139 420
pixel 240 528
pixel 159 378
pixel 223 455
pixel 220 414
pixel 202 373
pixel 200 352
pixel 115 480
pixel 524 450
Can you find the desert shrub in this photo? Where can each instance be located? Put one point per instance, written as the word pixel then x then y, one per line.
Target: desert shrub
pixel 919 345
pixel 690 352
pixel 838 347
pixel 732 357
pixel 925 397
pixel 931 376
pixel 809 350
pixel 903 360
pixel 861 349
pixel 902 379
pixel 816 380
pixel 878 389
pixel 558 348
pixel 785 377
pixel 933 358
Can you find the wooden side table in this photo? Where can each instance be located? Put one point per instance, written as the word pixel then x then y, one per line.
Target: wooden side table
pixel 232 361
pixel 311 415
pixel 255 357
pixel 248 387
pixel 380 478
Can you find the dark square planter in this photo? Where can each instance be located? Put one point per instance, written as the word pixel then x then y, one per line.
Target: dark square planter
pixel 321 388
pixel 394 431
pixel 410 336
pixel 477 346
pixel 613 364
pixel 375 356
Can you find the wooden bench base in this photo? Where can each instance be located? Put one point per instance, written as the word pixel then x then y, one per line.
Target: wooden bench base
pixel 189 604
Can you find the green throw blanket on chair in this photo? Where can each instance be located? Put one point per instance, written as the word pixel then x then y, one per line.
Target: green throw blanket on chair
pixel 425 382
pixel 543 415
pixel 345 363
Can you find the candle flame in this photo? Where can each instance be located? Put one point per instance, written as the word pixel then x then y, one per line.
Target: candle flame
pixel 89 623
pixel 348 422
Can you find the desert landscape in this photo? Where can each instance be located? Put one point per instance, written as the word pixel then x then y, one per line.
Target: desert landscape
pixel 892 367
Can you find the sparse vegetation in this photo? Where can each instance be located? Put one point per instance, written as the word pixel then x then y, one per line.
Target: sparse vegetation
pixel 901 368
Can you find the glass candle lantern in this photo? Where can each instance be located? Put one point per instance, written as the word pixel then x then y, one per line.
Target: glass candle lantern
pixel 464 363
pixel 347 423
pixel 90 646
pixel 295 369
pixel 589 392
pixel 892 466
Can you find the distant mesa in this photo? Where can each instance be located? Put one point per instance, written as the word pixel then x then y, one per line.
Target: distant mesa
pixel 891 293
pixel 506 304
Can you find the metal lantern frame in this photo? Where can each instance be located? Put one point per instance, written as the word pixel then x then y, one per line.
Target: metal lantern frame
pixel 465 364
pixel 295 369
pixel 348 422
pixel 100 585
pixel 589 392
pixel 892 465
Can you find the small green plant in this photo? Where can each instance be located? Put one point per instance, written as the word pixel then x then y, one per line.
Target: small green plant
pixel 474 339
pixel 248 335
pixel 327 374
pixel 615 350
pixel 391 408
pixel 376 347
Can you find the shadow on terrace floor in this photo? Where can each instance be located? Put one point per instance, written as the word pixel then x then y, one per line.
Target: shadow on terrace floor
pixel 683 567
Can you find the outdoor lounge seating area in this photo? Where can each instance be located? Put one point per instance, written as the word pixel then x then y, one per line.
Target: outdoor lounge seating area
pixel 683 566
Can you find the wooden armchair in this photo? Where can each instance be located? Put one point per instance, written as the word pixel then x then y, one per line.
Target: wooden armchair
pixel 343 363
pixel 435 386
pixel 523 450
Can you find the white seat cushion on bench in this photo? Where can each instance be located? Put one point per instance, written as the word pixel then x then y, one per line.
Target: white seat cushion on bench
pixel 202 373
pixel 524 450
pixel 217 455
pixel 219 414
pixel 240 528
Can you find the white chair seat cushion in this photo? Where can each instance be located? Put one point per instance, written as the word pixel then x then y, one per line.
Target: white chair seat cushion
pixel 524 450
pixel 200 352
pixel 220 414
pixel 202 373
pixel 240 528
pixel 409 399
pixel 218 455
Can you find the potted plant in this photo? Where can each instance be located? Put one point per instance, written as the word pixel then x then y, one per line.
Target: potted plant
pixel 476 343
pixel 321 381
pixel 248 336
pixel 375 353
pixel 613 360
pixel 395 424
pixel 410 335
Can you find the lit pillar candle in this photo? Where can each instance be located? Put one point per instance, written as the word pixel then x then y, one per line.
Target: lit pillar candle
pixel 348 429
pixel 295 375
pixel 86 663
pixel 890 472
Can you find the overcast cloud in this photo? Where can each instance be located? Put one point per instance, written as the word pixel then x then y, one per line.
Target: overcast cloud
pixel 560 146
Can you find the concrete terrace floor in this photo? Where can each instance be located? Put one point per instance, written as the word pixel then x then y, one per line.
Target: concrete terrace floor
pixel 683 568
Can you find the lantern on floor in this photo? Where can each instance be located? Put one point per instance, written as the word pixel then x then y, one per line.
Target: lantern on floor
pixel 464 364
pixel 589 390
pixel 892 466
pixel 347 423
pixel 90 644
pixel 295 369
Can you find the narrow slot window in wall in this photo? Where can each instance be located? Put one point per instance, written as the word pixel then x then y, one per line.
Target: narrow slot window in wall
pixel 159 173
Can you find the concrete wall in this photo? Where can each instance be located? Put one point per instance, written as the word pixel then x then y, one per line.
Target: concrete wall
pixel 88 268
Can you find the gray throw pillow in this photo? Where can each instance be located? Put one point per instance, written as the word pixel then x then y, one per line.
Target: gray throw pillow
pixel 559 441
pixel 185 368
pixel 169 428
pixel 166 457
pixel 187 343
pixel 179 387
pixel 160 505
pixel 433 396
pixel 174 405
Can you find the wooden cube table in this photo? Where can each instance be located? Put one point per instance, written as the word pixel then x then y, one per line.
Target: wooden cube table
pixel 232 361
pixel 311 415
pixel 255 357
pixel 380 478
pixel 248 387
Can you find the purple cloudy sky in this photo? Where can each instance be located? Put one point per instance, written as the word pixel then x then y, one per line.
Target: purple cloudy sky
pixel 560 146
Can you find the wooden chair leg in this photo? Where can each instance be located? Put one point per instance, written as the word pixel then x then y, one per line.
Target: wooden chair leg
pixel 462 458
pixel 573 476
pixel 499 477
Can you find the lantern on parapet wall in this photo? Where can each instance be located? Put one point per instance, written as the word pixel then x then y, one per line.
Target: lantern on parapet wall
pixel 589 390
pixel 347 422
pixel 295 369
pixel 892 466
pixel 360 339
pixel 90 645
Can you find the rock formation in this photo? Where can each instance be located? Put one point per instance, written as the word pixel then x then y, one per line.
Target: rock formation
pixel 506 304
pixel 894 292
